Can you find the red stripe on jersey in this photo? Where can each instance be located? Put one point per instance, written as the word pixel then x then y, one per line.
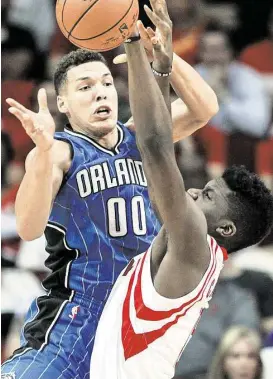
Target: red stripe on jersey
pixel 134 343
pixel 225 253
pixel 148 314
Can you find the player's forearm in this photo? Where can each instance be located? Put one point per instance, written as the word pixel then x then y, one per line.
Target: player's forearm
pixel 193 90
pixel 33 201
pixel 149 110
pixel 164 85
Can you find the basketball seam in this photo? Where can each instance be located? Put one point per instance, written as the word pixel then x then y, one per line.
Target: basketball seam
pixel 82 16
pixel 63 18
pixel 98 35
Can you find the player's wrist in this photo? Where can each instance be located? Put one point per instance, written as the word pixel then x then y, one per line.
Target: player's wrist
pixel 45 151
pixel 161 70
pixel 133 38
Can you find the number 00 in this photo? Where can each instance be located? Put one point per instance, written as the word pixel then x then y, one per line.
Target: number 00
pixel 117 216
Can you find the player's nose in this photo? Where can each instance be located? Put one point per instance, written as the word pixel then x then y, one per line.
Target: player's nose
pixel 194 193
pixel 100 92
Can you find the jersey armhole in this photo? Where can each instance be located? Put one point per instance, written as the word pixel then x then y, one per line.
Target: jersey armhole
pixel 72 152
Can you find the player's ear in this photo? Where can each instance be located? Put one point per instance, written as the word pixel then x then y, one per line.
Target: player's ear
pixel 226 229
pixel 62 104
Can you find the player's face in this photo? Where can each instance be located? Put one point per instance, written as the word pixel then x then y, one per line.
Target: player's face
pixel 213 201
pixel 90 98
pixel 241 361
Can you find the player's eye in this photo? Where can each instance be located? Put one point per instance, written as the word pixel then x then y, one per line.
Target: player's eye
pixel 207 195
pixel 108 84
pixel 84 88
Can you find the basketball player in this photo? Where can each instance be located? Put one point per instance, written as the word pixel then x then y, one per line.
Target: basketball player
pixel 85 189
pixel 157 300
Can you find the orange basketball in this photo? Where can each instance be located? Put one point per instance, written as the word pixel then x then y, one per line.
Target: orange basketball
pixel 97 25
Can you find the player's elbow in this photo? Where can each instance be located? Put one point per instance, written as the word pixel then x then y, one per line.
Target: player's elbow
pixel 28 233
pixel 211 108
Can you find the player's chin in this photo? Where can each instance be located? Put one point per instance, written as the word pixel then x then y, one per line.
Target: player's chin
pixel 103 127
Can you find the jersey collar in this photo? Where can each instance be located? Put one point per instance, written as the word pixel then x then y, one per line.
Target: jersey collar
pixel 114 151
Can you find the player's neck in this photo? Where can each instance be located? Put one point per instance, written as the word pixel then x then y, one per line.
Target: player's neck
pixel 108 140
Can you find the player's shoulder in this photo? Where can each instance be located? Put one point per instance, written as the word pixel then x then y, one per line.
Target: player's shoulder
pixel 61 155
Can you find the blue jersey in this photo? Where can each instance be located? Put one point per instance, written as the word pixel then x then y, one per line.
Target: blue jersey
pixel 101 216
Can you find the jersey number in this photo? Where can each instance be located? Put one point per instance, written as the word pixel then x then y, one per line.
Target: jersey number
pixel 117 216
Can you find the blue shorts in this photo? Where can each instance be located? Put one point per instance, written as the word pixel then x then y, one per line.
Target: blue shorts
pixel 57 340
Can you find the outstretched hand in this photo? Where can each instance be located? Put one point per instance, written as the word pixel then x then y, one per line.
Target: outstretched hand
pixel 39 126
pixel 158 43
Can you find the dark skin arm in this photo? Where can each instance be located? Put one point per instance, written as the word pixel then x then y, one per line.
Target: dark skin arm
pixel 181 252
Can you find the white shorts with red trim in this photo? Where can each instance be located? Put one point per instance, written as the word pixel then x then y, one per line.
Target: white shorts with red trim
pixel 142 334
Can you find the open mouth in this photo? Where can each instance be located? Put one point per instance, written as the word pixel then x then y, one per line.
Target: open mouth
pixel 103 111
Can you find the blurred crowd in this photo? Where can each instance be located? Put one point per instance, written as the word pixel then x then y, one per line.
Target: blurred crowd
pixel 231 45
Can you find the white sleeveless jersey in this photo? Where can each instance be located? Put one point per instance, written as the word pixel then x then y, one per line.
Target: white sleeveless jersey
pixel 142 334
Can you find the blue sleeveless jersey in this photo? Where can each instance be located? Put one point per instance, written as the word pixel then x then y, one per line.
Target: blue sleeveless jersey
pixel 101 217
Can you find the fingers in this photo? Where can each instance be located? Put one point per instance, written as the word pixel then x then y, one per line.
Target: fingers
pixel 160 8
pixel 24 118
pixel 122 58
pixel 150 32
pixel 153 17
pixel 142 30
pixel 157 45
pixel 42 100
pixel 28 124
pixel 14 104
pixel 17 113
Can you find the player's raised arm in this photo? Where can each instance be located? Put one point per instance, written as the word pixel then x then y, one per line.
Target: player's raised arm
pixel 177 210
pixel 197 102
pixel 44 169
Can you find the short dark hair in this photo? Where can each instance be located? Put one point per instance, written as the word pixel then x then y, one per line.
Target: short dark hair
pixel 251 207
pixel 73 59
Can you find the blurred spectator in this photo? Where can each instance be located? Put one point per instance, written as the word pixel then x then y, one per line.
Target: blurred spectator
pixel 255 258
pixel 18 48
pixel 223 13
pixel 244 107
pixel 267 356
pixel 243 103
pixel 20 90
pixel 230 305
pixel 37 16
pixel 238 355
pixel 188 24
pixel 9 186
pixel 259 284
pixel 260 57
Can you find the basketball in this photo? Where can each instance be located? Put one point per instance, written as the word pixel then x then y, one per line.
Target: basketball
pixel 97 25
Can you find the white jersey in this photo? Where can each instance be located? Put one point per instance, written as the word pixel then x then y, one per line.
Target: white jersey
pixel 142 334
